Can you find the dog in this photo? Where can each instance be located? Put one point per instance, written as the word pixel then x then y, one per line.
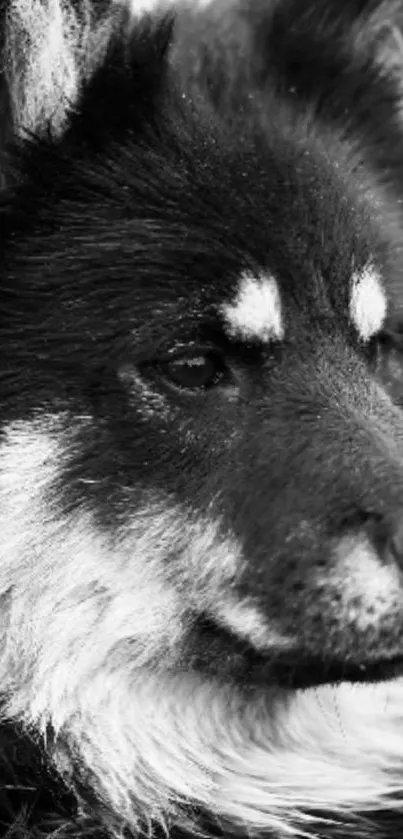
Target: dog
pixel 201 439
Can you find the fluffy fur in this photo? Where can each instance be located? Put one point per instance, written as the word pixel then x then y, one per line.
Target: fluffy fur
pixel 201 480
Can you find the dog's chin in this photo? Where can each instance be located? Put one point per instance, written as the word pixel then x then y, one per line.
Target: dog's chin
pixel 220 653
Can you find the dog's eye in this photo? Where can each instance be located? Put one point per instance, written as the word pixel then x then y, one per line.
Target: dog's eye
pixel 387 359
pixel 392 369
pixel 194 372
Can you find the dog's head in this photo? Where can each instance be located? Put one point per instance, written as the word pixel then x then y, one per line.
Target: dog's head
pixel 201 460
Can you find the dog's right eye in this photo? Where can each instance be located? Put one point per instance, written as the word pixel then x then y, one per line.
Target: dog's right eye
pixel 198 371
pixel 386 356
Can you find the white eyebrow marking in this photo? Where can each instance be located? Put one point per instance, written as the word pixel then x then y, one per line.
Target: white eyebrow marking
pixel 256 311
pixel 368 302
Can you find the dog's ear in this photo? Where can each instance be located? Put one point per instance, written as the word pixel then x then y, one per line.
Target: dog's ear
pixel 97 61
pixel 48 49
pixel 331 39
pixel 123 91
pixel 5 109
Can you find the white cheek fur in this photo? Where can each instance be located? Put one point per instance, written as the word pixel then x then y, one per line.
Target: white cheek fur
pixel 91 646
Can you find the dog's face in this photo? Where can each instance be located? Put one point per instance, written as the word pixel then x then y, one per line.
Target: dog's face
pixel 201 464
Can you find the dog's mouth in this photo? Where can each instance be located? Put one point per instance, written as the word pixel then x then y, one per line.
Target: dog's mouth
pixel 219 652
pixel 306 672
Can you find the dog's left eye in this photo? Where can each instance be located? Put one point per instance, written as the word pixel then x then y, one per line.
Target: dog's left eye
pixel 387 360
pixel 194 372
